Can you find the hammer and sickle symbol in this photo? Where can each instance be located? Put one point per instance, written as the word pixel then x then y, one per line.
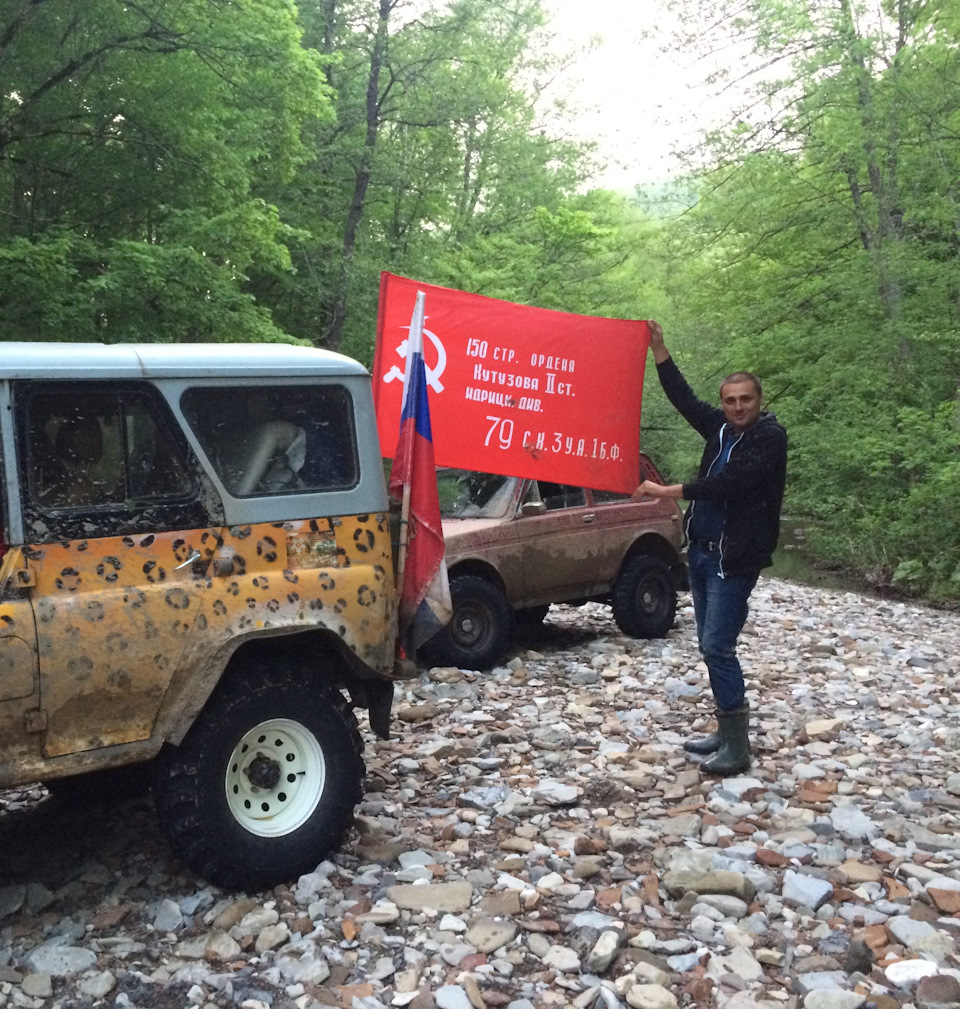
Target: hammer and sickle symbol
pixel 433 374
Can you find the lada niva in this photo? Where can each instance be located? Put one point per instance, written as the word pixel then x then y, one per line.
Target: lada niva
pixel 515 546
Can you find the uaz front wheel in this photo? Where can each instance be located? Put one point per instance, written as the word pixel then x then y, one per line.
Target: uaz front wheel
pixel 266 780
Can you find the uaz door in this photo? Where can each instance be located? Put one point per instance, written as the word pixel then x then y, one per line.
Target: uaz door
pixel 117 547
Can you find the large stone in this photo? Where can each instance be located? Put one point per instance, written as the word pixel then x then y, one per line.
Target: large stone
pixel 727 905
pixel 59 960
pixel 214 945
pixel 169 917
pixel 906 974
pixel 727 881
pixel 740 963
pixel 452 996
pixel 37 985
pixel 453 897
pixel 384 912
pixel 629 839
pixel 945 901
pixel 930 840
pixel 488 934
pixel 833 998
pixel 563 959
pixel 272 937
pixel 555 793
pixel 819 980
pixel 855 872
pixel 604 950
pixel 823 728
pixel 801 890
pixel 853 824
pixel 651 996
pixel 307 967
pixel 97 986
pixel 937 990
pixel 922 938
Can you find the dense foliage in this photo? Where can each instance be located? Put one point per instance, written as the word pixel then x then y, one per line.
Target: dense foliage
pixel 821 251
pixel 243 170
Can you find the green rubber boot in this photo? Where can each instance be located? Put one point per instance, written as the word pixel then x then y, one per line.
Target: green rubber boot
pixel 733 757
pixel 708 744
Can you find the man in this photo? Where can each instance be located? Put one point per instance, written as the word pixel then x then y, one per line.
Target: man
pixel 732 526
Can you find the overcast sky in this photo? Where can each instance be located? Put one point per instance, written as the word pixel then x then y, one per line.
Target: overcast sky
pixel 638 101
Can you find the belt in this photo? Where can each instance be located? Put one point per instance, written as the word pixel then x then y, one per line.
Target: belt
pixel 710 546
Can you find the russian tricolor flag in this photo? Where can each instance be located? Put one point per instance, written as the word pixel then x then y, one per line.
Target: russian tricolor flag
pixel 425 605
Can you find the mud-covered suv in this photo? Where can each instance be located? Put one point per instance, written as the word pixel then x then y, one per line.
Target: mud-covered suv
pixel 515 546
pixel 197 573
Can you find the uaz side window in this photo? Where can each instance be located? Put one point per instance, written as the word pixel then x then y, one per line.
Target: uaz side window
pixel 94 451
pixel 264 440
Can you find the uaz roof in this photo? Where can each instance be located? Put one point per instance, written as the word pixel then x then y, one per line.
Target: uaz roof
pixel 169 360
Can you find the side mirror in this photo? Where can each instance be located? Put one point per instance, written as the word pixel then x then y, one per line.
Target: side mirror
pixel 529 508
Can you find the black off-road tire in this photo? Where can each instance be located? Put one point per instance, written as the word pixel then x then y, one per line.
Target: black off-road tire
pixel 644 598
pixel 265 783
pixel 480 629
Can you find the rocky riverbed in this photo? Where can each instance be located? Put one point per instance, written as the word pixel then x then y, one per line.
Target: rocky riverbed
pixel 535 837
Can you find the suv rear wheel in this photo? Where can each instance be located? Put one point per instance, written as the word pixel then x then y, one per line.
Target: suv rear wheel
pixel 479 632
pixel 266 780
pixel 644 598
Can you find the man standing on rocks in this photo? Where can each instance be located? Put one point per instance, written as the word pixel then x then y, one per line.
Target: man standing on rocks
pixel 732 526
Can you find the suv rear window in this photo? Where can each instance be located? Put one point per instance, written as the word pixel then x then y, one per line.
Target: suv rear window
pixel 276 439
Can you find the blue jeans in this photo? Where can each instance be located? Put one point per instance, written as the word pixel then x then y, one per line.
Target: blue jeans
pixel 720 606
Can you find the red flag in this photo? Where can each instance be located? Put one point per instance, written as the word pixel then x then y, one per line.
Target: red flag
pixel 425 604
pixel 517 390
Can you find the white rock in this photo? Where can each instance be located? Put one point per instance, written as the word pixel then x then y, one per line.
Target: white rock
pixel 833 998
pixel 59 960
pixel 801 890
pixel 852 823
pixel 906 974
pixel 97 986
pixel 452 996
pixel 563 959
pixel 651 996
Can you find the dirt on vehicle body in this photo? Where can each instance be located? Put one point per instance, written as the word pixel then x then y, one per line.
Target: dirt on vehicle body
pixel 515 546
pixel 198 573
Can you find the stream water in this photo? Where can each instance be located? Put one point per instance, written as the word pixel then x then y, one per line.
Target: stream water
pixel 792 563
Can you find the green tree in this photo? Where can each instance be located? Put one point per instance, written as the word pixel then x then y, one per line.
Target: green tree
pixel 132 139
pixel 822 252
pixel 436 145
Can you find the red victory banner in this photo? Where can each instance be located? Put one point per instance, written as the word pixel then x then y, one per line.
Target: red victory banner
pixel 516 390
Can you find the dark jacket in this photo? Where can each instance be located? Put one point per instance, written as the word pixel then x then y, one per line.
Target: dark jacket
pixel 750 485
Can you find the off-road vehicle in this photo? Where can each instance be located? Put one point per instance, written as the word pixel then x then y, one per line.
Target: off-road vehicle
pixel 515 546
pixel 197 573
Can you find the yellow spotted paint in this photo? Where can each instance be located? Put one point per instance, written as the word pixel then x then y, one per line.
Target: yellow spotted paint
pixel 107 639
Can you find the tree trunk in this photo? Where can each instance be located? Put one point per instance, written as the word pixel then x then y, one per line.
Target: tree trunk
pixel 362 177
pixel 881 175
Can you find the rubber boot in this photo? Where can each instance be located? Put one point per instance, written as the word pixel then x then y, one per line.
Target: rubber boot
pixel 708 744
pixel 733 757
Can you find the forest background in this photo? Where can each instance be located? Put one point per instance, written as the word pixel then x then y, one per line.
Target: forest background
pixel 244 169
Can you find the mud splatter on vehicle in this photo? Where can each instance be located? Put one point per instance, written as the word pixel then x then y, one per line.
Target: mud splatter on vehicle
pixel 197 574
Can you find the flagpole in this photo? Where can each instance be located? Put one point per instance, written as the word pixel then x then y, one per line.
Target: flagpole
pixel 404 538
pixel 414 345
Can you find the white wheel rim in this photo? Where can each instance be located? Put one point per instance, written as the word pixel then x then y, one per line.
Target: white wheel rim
pixel 275 777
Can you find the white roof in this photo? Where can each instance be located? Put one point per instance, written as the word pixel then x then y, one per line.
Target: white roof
pixel 170 360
